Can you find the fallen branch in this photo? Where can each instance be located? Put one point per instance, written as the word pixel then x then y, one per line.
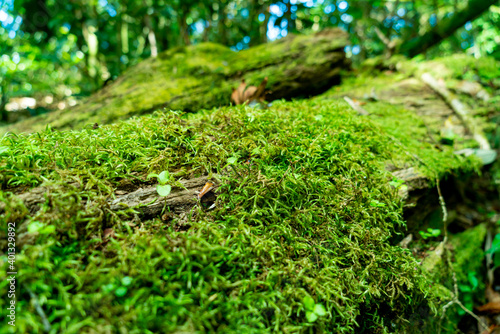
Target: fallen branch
pixel 144 200
pixel 459 108
pixel 149 203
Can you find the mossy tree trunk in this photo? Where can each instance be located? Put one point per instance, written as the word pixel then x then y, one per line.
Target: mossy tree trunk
pixel 203 76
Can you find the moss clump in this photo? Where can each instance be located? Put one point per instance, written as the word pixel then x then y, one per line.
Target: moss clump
pixel 305 210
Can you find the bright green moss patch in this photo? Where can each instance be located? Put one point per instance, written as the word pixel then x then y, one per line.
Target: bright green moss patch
pixel 306 210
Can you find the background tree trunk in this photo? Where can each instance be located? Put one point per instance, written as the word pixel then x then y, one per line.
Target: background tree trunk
pixel 445 28
pixel 3 101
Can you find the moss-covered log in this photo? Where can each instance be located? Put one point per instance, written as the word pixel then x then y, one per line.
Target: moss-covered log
pixel 203 76
pixel 445 28
pixel 307 208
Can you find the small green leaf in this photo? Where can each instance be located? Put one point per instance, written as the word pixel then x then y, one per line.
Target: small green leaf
pixel 487 156
pixel 35 226
pixel 108 288
pixel 311 316
pixel 163 177
pixel 163 190
pixel 151 175
pixel 473 280
pixel 319 310
pixel 464 288
pixel 256 151
pixel 47 229
pixel 434 232
pixel 377 204
pixel 423 234
pixel 396 183
pixel 496 260
pixel 308 303
pixel 232 160
pixel 121 291
pixel 495 245
pixel 126 281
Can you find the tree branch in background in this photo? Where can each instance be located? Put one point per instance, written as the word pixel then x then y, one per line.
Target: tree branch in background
pixel 390 45
pixel 445 28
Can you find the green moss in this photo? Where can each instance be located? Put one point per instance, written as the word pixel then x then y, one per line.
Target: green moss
pixel 469 259
pixel 305 210
pixel 309 214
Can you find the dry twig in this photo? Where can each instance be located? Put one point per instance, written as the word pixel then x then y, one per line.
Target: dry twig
pixel 356 106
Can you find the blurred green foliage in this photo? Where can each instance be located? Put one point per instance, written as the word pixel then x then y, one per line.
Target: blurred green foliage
pixel 59 48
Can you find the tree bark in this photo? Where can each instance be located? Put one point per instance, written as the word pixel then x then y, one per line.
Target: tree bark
pixel 445 28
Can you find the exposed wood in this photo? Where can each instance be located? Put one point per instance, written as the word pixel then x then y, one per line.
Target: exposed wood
pixel 151 36
pixel 144 200
pixel 147 201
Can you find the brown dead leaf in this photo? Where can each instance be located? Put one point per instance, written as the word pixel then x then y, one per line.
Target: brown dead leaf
pixel 206 188
pixel 260 93
pixel 244 94
pixel 490 308
pixel 249 92
pixel 108 233
pixel 167 216
pixel 238 93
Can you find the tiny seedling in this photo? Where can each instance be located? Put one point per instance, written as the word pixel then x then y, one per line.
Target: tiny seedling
pixel 377 204
pixel 431 233
pixel 313 310
pixel 36 226
pixel 396 183
pixel 163 189
pixel 120 290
